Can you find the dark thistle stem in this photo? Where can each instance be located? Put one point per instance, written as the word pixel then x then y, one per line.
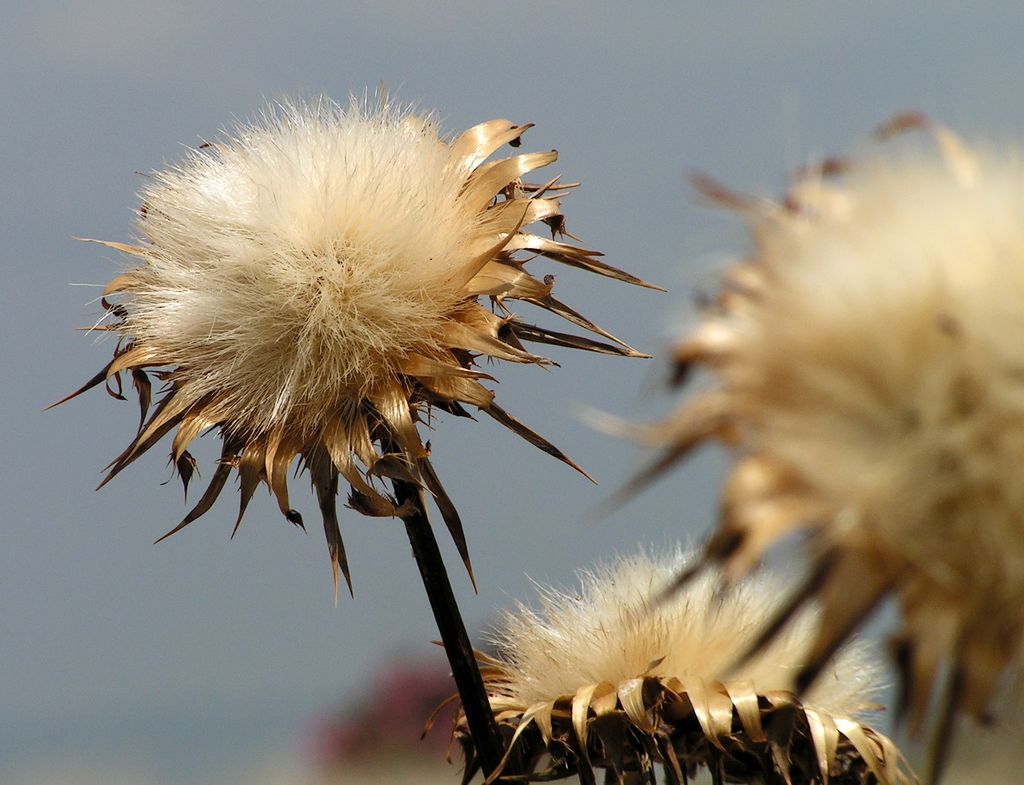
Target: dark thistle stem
pixel 479 718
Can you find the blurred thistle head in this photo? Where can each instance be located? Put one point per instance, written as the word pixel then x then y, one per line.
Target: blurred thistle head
pixel 867 366
pixel 607 676
pixel 316 283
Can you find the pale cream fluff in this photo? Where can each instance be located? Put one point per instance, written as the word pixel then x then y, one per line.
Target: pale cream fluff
pixel 308 254
pixel 613 628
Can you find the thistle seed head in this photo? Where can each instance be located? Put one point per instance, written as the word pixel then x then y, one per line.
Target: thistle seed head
pixel 618 675
pixel 317 282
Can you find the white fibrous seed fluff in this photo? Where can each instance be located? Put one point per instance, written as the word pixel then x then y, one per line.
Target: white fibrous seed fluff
pixel 867 366
pixel 304 259
pixel 319 281
pixel 617 626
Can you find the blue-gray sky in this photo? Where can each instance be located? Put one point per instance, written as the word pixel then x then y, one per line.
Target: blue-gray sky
pixel 106 636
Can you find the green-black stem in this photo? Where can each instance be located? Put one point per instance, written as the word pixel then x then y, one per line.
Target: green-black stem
pixel 479 717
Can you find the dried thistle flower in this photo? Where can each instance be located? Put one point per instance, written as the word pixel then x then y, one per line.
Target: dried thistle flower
pixel 867 366
pixel 317 283
pixel 604 677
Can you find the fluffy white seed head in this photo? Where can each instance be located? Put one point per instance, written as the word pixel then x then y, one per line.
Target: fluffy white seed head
pixel 306 255
pixel 612 630
pixel 317 283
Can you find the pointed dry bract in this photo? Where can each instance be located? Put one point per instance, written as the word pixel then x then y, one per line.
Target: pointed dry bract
pixel 609 677
pixel 867 367
pixel 316 282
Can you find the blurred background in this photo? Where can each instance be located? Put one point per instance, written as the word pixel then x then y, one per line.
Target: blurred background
pixel 208 661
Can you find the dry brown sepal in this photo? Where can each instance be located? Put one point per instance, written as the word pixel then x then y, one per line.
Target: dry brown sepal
pixel 647 724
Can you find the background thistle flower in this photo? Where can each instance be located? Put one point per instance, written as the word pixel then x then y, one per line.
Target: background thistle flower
pixel 605 677
pixel 866 367
pixel 311 287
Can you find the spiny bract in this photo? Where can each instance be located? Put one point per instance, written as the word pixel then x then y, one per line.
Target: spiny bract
pixel 312 285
